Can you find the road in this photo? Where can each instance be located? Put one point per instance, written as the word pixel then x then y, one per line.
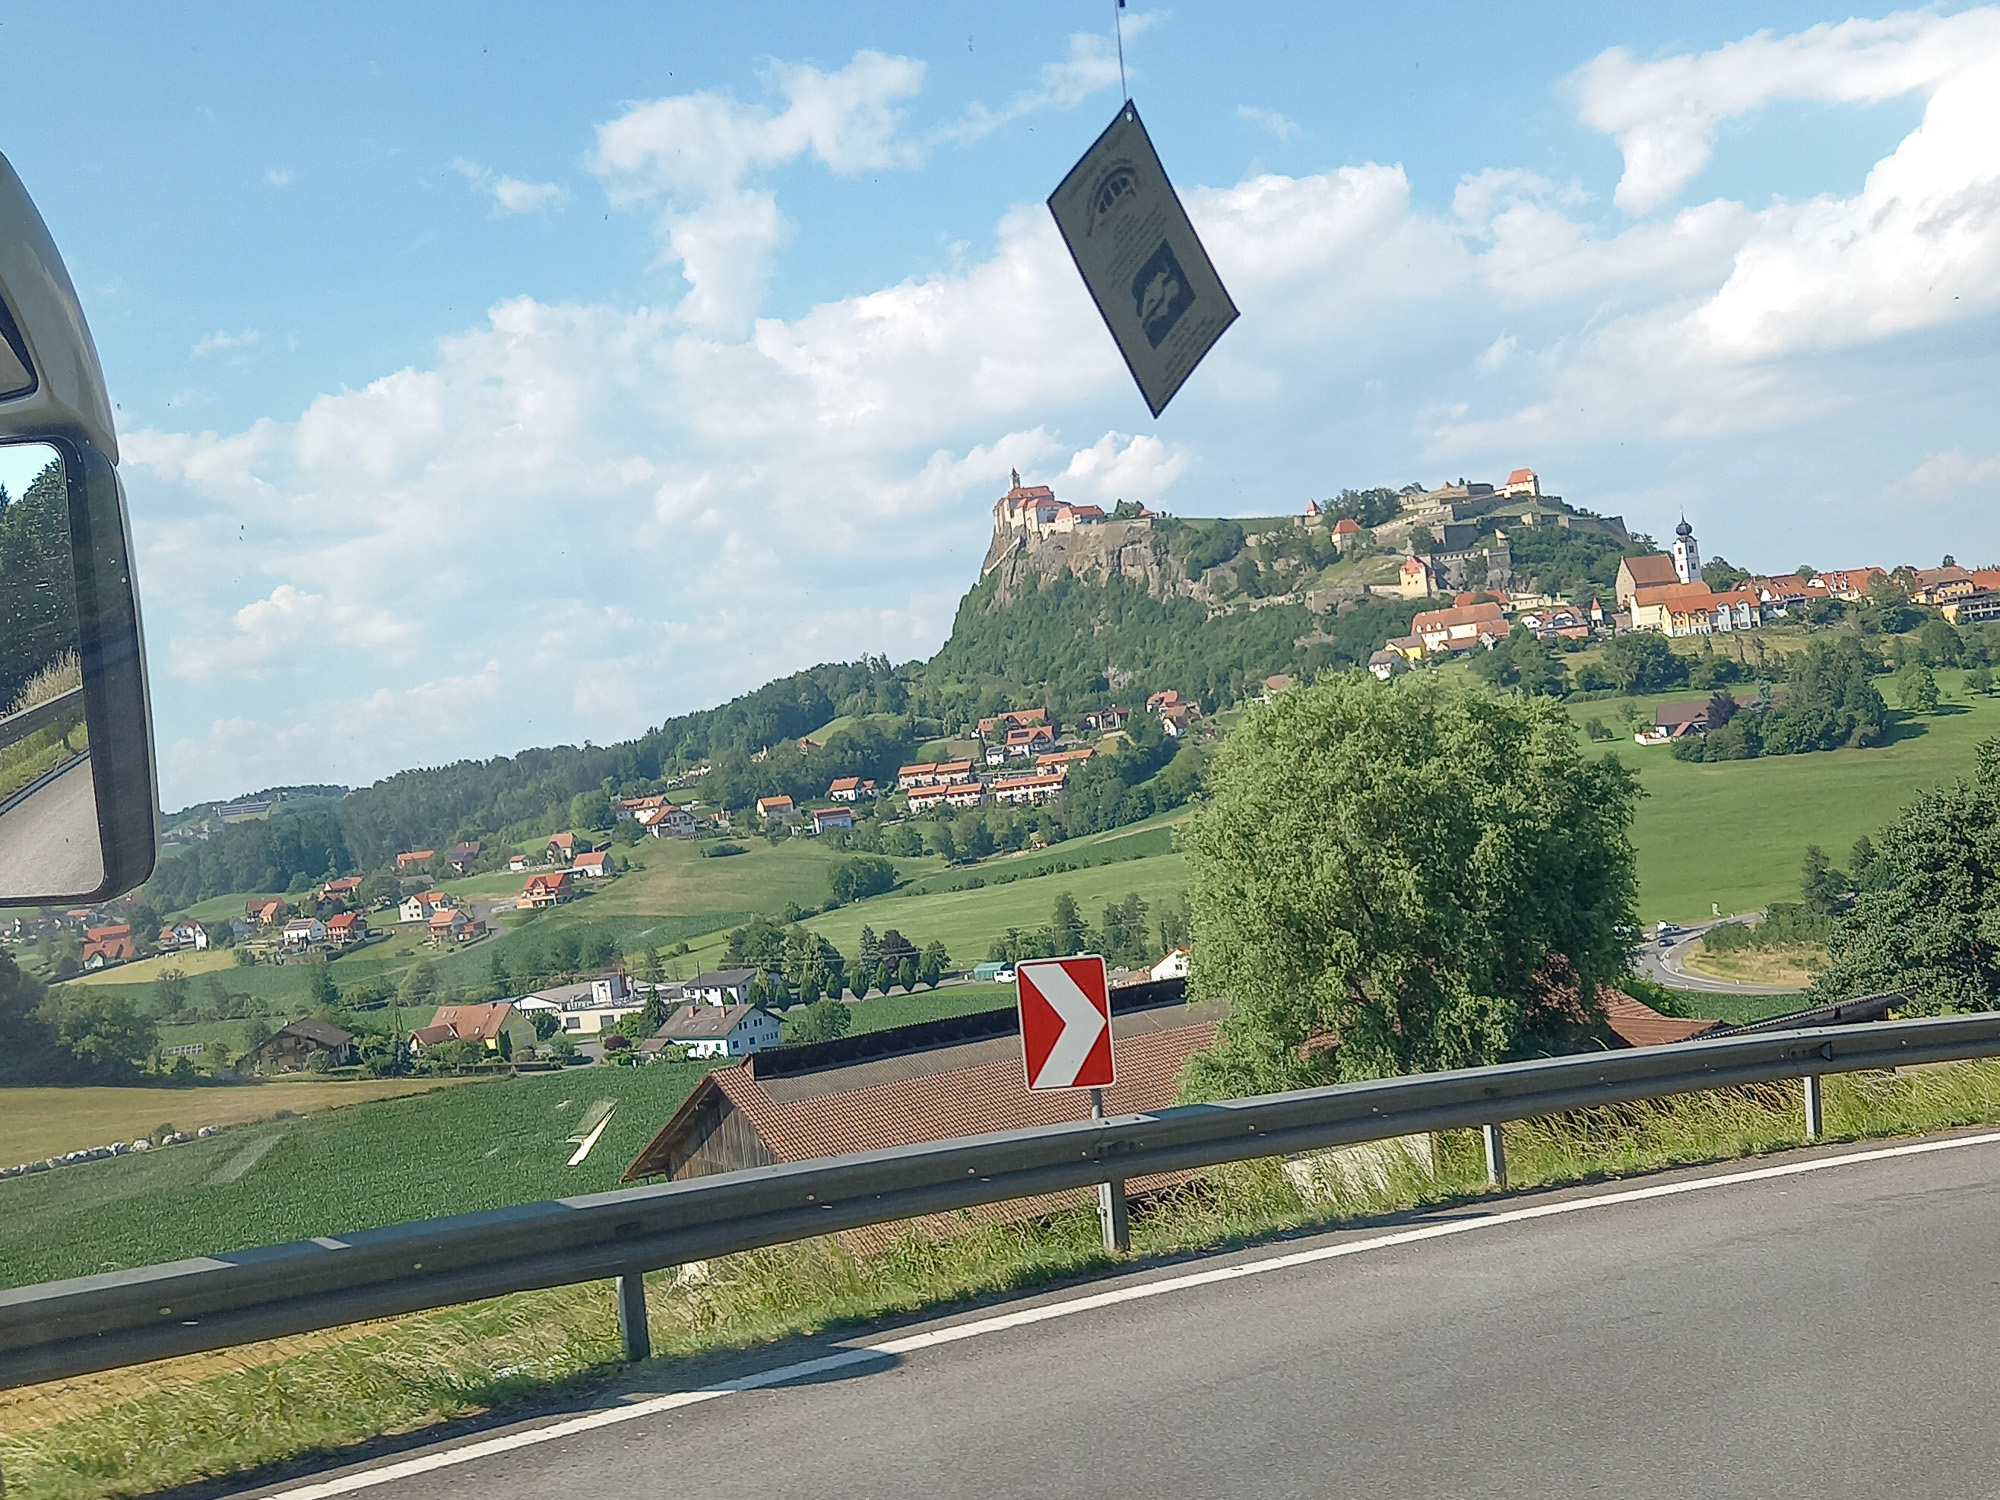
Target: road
pixel 1666 965
pixel 49 844
pixel 1809 1326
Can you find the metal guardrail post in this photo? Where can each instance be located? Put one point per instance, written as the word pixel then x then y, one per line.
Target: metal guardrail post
pixel 632 1329
pixel 1815 1110
pixel 1496 1155
pixel 1114 1214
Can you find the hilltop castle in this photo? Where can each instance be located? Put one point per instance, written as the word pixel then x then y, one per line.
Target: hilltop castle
pixel 1033 510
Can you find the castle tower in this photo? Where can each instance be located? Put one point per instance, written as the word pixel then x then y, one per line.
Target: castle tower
pixel 1687 555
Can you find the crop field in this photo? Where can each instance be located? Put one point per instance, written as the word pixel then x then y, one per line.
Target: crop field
pixel 39 1122
pixel 480 1145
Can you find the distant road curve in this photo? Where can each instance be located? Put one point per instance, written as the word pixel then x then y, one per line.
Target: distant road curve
pixel 1665 965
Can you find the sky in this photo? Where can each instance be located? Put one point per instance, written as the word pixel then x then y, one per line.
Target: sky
pixel 491 376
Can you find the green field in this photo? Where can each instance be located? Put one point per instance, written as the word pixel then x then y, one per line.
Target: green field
pixel 1732 833
pixel 483 1145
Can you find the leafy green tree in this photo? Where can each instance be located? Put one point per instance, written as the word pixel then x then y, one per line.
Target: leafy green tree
pixel 821 1021
pixel 931 967
pixel 1980 680
pixel 1940 645
pixel 1823 887
pixel 646 967
pixel 871 948
pixel 102 1029
pixel 906 973
pixel 1066 927
pixel 943 842
pixel 1720 574
pixel 171 990
pixel 320 988
pixel 1917 690
pixel 1641 661
pixel 419 986
pixel 1929 907
pixel 858 878
pixel 1393 882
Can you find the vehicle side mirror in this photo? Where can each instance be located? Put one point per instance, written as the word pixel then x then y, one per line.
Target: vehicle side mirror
pixel 79 806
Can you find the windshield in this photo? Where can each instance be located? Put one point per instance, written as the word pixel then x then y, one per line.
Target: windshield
pixel 684 555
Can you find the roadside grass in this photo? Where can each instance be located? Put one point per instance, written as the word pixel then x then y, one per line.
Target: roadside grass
pixel 1784 963
pixel 42 1122
pixel 1737 1010
pixel 241 1414
pixel 483 1145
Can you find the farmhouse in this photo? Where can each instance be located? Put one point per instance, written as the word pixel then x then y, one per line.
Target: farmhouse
pixel 777 809
pixel 291 1049
pixel 346 927
pixel 478 1023
pixel 346 888
pixel 668 821
pixel 450 926
pixel 561 849
pixel 593 866
pixel 463 855
pixel 850 789
pixel 824 818
pixel 182 936
pixel 415 858
pixel 715 1031
pixel 106 946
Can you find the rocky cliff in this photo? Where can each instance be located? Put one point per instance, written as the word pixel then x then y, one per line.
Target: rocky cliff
pixel 1131 550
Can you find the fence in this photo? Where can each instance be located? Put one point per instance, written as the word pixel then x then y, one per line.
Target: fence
pixel 101 1322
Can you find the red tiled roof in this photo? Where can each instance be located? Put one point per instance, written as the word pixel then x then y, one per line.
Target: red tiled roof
pixel 1651 571
pixel 1463 614
pixel 1520 476
pixel 1637 1024
pixel 1346 526
pixel 472 1023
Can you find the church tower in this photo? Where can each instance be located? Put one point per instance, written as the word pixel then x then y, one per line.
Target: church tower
pixel 1687 555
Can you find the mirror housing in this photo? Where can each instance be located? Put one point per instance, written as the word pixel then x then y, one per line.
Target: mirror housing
pixel 52 393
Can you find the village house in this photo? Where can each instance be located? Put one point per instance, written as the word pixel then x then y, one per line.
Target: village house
pixel 550 888
pixel 184 936
pixel 1063 758
pixel 933 773
pixel 668 822
pixel 1023 744
pixel 561 849
pixel 851 789
pixel 824 818
pixel 1386 664
pixel 1460 628
pixel 1173 966
pixel 721 986
pixel 108 945
pixel 463 855
pixel 304 932
pixel 1106 720
pixel 1674 609
pixel 626 808
pixel 1944 585
pixel 714 1031
pixel 949 794
pixel 415 858
pixel 1175 719
pixel 346 888
pixel 346 928
pixel 777 809
pixel 589 1008
pixel 1782 592
pixel 291 1049
pixel 1163 700
pixel 1016 718
pixel 265 913
pixel 1853 585
pixel 517 863
pixel 1029 789
pixel 421 907
pixel 593 866
pixel 450 927
pixel 486 1024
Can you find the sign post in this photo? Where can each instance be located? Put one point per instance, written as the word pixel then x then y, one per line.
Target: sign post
pixel 1138 254
pixel 1065 1006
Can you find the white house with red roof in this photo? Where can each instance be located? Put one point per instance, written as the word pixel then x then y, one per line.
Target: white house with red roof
pixel 778 809
pixel 1522 482
pixel 593 866
pixel 850 789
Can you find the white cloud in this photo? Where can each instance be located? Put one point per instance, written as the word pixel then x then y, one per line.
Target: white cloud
pixel 1664 113
pixel 510 194
pixel 279 177
pixel 577 519
pixel 221 342
pixel 1282 126
pixel 1090 68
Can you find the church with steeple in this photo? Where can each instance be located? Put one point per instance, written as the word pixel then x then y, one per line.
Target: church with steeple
pixel 1687 556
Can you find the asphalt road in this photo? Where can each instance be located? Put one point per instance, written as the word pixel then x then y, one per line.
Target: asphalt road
pixel 1666 966
pixel 1787 1331
pixel 49 841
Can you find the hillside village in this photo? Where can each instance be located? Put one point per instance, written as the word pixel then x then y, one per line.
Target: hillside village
pixel 1500 578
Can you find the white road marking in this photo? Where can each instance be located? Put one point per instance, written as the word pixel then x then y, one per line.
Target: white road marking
pixel 510 1442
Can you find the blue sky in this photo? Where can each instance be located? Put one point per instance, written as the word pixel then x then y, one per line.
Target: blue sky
pixel 489 378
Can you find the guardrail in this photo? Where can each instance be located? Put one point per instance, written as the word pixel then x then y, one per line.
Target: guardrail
pixel 92 1323
pixel 49 711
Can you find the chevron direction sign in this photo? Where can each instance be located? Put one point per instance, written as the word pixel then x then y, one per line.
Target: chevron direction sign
pixel 1065 1023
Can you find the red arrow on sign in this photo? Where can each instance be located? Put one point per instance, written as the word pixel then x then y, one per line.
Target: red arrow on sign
pixel 1065 1023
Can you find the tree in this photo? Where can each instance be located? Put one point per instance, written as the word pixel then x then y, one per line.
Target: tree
pixel 1930 904
pixel 931 967
pixel 1980 680
pixel 1940 645
pixel 821 1021
pixel 871 949
pixel 646 967
pixel 906 973
pixel 103 1030
pixel 1392 882
pixel 861 877
pixel 1823 887
pixel 172 989
pixel 320 988
pixel 1720 574
pixel 1066 928
pixel 1917 690
pixel 1640 661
